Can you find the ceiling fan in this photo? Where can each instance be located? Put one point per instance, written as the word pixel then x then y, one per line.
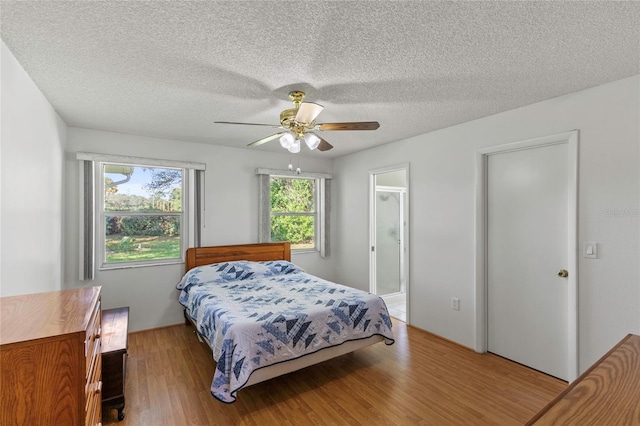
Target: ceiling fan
pixel 299 122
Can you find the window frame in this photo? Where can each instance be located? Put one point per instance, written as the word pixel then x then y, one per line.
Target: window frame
pixel 102 215
pixel 322 207
pixel 92 231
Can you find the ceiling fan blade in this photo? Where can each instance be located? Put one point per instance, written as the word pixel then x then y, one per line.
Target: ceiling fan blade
pixel 357 125
pixel 307 112
pixel 267 139
pixel 324 145
pixel 248 124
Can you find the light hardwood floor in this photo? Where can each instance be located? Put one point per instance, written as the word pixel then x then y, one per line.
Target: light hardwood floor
pixel 421 379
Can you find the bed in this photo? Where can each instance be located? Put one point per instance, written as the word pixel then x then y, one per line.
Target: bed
pixel 263 316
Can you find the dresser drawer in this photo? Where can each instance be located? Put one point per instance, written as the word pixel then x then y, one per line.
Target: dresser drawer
pixel 92 339
pixel 93 415
pixel 93 385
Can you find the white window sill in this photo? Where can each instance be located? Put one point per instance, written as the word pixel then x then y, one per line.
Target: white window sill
pixel 304 251
pixel 113 266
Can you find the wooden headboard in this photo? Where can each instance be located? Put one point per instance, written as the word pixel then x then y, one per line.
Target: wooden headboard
pixel 255 252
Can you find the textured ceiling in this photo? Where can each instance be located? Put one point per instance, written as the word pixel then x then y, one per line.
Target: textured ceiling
pixel 170 69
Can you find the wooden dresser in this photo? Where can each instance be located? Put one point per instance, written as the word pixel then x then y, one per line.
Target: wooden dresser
pixel 608 393
pixel 50 360
pixel 115 343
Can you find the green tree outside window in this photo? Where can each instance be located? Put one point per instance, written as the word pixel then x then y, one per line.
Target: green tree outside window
pixel 293 211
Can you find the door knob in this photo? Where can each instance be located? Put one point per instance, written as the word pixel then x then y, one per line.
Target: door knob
pixel 563 273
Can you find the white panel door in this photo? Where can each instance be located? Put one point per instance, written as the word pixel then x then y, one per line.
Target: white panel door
pixel 527 246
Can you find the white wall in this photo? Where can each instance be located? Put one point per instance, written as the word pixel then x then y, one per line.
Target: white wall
pixel 442 209
pixel 31 210
pixel 231 217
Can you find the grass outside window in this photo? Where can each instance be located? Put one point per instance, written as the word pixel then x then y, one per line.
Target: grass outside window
pixel 133 248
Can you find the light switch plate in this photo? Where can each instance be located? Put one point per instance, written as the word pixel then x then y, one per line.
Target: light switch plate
pixel 590 250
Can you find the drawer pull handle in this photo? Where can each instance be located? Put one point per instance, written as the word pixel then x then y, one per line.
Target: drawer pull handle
pixel 98 387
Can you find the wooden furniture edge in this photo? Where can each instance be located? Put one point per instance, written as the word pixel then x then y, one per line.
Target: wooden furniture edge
pixel 114 353
pixel 198 256
pixel 80 335
pixel 89 295
pixel 107 313
pixel 573 384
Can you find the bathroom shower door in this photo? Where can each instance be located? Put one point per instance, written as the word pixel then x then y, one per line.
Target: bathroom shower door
pixel 389 238
pixel 389 241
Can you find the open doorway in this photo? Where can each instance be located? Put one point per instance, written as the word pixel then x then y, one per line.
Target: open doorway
pixel 389 215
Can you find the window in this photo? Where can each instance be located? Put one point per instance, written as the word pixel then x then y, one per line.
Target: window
pixel 142 214
pixel 137 211
pixel 293 212
pixel 294 208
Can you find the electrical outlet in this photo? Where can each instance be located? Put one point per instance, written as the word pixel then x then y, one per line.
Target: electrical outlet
pixel 455 303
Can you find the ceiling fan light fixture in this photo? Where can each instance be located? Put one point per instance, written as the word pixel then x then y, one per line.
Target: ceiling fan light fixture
pixel 295 147
pixel 287 140
pixel 312 141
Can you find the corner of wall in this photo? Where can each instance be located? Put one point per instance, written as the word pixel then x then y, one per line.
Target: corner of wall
pixel 31 179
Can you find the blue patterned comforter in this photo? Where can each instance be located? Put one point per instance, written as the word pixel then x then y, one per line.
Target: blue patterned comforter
pixel 256 314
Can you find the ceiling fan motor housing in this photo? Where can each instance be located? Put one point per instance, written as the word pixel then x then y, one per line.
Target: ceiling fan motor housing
pixel 287 120
pixel 287 116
